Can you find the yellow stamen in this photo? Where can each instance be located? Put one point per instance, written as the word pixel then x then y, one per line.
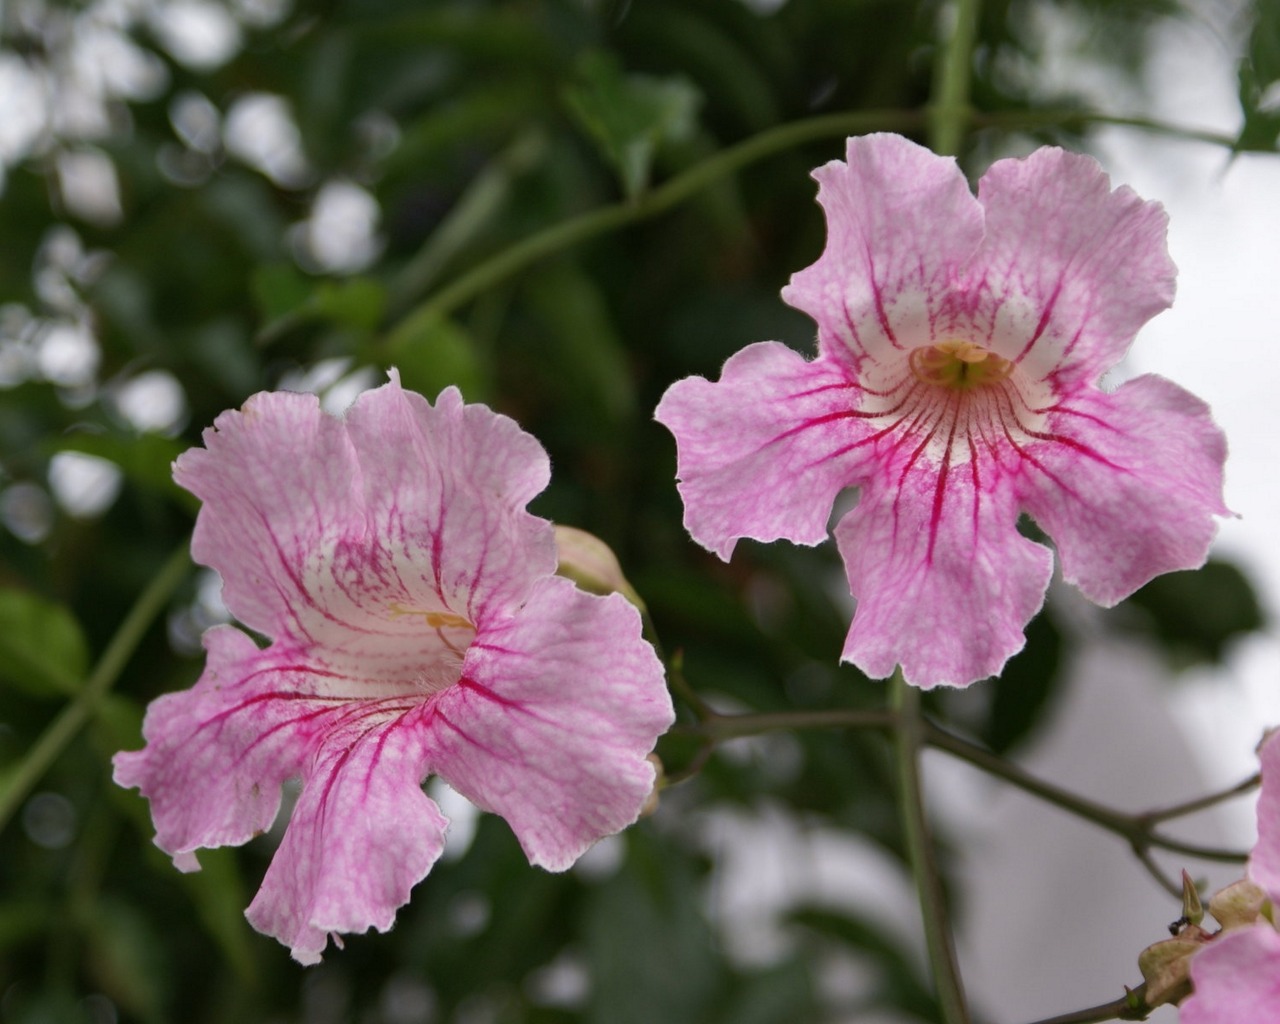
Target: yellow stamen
pixel 962 365
pixel 434 620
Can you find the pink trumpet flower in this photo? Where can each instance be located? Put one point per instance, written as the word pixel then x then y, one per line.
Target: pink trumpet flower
pixel 960 342
pixel 1236 975
pixel 416 626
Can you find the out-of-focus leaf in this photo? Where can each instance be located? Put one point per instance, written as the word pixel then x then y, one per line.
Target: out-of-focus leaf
pixel 780 995
pixel 218 892
pixel 1021 694
pixel 629 116
pixel 126 956
pixel 357 303
pixel 145 459
pixel 1196 614
pixel 42 649
pixel 899 978
pixel 22 919
pixel 588 353
pixel 1259 79
pixel 433 353
pixel 280 288
pixel 649 951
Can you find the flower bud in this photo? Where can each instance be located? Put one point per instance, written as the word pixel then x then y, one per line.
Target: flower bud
pixel 592 565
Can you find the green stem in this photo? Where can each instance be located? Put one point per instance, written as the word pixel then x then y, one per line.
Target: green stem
pixel 950 114
pixel 1129 1007
pixel 73 717
pixel 609 218
pixel 726 727
pixel 909 739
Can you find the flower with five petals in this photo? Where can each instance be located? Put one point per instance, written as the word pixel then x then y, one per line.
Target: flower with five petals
pixel 416 627
pixel 960 342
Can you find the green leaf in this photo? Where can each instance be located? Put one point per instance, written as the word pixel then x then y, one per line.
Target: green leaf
pixel 649 950
pixel 145 459
pixel 629 116
pixel 1258 76
pixel 435 352
pixel 588 354
pixel 218 892
pixel 1195 614
pixel 42 649
pixel 1022 693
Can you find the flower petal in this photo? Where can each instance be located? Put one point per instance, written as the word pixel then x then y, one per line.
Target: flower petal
pixel 763 452
pixel 280 486
pixel 1236 979
pixel 1127 485
pixel 1264 861
pixel 362 834
pixel 445 488
pixel 945 584
pixel 217 754
pixel 550 727
pixel 1069 270
pixel 901 226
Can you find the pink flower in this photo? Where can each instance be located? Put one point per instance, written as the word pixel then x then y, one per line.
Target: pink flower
pixel 415 628
pixel 960 341
pixel 1236 976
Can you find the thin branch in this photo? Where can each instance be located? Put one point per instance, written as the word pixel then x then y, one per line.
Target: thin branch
pixel 73 717
pixel 1132 1006
pixel 1131 826
pixel 1201 802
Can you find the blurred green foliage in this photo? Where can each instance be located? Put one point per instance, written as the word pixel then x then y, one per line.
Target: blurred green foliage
pixel 467 126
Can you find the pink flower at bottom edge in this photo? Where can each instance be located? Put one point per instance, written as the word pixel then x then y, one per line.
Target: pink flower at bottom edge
pixel 1236 979
pixel 960 341
pixel 415 628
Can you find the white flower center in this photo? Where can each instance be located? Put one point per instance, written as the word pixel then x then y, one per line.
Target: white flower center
pixel 956 398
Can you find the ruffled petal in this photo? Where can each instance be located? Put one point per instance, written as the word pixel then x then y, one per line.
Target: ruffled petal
pixel 1264 861
pixel 944 582
pixel 1069 270
pixel 901 226
pixel 445 489
pixel 1127 484
pixel 362 834
pixel 217 754
pixel 763 452
pixel 1236 979
pixel 280 488
pixel 550 727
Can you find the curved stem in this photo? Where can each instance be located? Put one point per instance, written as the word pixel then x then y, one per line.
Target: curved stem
pixel 1132 1006
pixel 1013 119
pixel 64 728
pixel 609 218
pixel 909 739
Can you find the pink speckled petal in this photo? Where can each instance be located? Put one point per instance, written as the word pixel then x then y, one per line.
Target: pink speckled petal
pixel 558 708
pixel 1264 861
pixel 218 753
pixel 362 834
pixel 763 452
pixel 280 488
pixel 1127 484
pixel 1069 270
pixel 901 226
pixel 944 582
pixel 445 488
pixel 1236 979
